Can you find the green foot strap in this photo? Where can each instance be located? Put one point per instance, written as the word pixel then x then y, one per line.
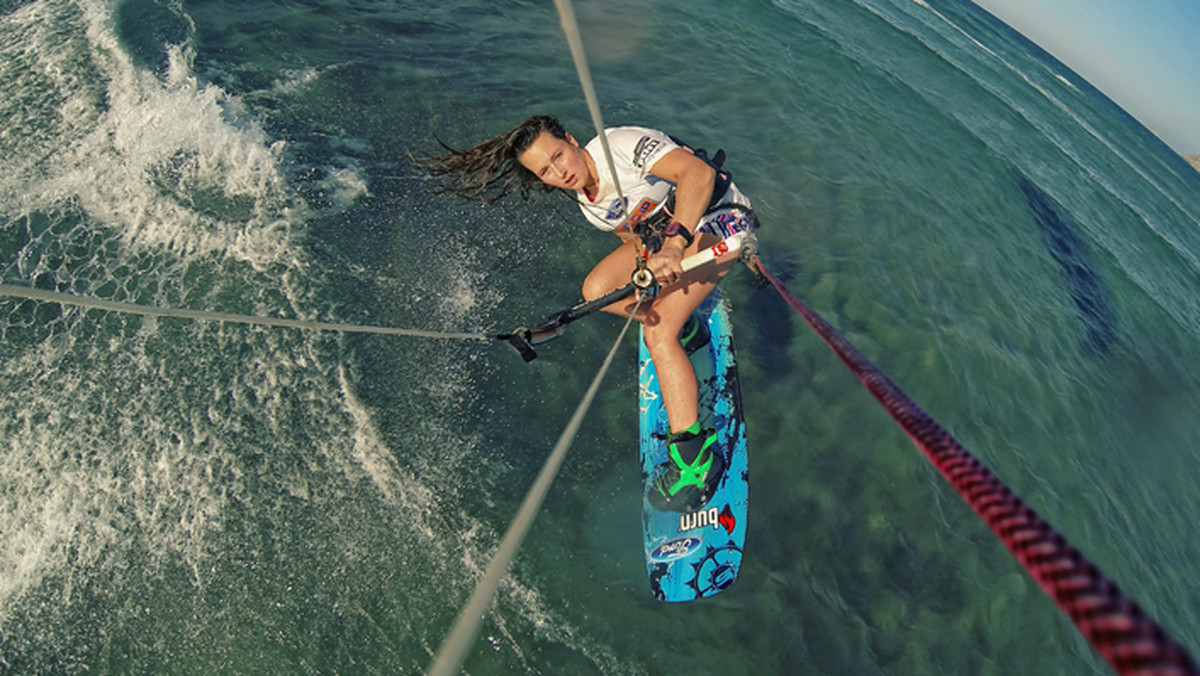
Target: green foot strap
pixel 693 474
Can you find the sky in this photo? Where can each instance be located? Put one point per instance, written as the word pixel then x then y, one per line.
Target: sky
pixel 1143 54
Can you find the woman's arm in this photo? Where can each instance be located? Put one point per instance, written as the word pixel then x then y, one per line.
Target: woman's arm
pixel 693 179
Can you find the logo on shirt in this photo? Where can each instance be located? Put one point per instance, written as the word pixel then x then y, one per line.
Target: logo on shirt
pixel 642 210
pixel 615 210
pixel 645 147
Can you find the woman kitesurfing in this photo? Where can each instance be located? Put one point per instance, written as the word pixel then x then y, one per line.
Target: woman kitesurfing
pixel 667 201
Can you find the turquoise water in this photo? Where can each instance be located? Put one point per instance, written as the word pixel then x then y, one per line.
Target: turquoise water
pixel 192 498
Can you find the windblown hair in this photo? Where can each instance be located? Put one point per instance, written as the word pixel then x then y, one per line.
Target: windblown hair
pixel 490 170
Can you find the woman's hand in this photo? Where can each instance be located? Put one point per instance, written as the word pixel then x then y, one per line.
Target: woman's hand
pixel 667 264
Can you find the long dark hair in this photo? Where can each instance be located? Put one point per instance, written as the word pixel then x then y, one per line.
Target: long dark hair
pixel 490 170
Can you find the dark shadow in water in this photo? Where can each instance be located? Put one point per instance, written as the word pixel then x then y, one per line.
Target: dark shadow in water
pixel 1088 292
pixel 772 321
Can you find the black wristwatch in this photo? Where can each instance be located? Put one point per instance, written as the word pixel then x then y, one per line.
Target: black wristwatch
pixel 675 228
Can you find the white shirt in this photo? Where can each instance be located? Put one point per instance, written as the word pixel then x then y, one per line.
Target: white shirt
pixel 634 152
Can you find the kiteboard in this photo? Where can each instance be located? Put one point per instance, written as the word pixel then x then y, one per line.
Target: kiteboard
pixel 695 554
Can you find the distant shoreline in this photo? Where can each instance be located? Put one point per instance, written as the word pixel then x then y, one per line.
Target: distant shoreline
pixel 1194 160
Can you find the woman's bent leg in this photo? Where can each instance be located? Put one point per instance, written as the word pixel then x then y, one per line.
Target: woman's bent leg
pixel 662 320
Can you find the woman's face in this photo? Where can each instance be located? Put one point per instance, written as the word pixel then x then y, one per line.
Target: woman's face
pixel 559 163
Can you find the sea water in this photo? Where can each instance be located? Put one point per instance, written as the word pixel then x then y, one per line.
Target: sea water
pixel 188 497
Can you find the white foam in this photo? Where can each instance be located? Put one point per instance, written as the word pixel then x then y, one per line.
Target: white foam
pixel 104 452
pixel 167 162
pixel 115 451
pixel 164 149
pixel 373 456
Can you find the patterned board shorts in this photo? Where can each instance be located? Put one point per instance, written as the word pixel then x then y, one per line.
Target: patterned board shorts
pixel 731 216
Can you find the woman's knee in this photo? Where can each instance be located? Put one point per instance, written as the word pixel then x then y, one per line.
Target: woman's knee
pixel 593 285
pixel 612 272
pixel 661 332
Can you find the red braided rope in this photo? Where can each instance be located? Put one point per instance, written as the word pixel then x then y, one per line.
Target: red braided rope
pixel 1114 625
